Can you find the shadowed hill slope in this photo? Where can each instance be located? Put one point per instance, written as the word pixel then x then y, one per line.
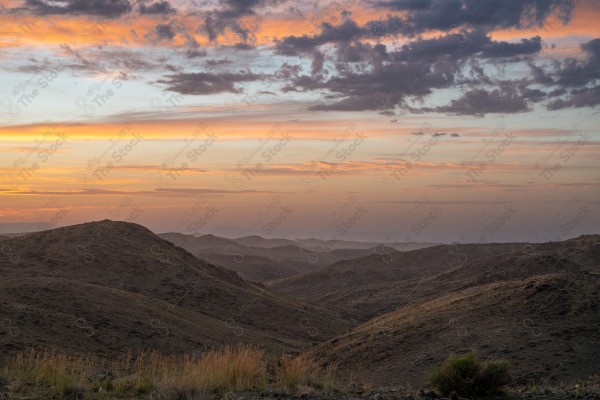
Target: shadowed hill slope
pixel 104 271
pixel 356 284
pixel 541 310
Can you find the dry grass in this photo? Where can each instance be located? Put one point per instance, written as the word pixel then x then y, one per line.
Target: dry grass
pixel 44 369
pixel 301 371
pixel 229 370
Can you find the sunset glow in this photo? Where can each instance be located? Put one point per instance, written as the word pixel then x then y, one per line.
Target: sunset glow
pixel 473 123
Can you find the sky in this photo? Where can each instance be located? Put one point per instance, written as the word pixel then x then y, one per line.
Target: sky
pixel 379 120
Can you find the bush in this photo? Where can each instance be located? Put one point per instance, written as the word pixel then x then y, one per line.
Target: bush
pixel 468 376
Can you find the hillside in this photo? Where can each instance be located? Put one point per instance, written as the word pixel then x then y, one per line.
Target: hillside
pixel 251 268
pixel 131 287
pixel 541 312
pixel 357 284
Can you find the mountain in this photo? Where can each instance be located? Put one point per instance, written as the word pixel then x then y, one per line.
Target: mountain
pixel 252 264
pixel 326 245
pixel 259 241
pixel 114 286
pixel 196 243
pixel 538 307
pixel 361 285
pixel 349 244
pixel 263 264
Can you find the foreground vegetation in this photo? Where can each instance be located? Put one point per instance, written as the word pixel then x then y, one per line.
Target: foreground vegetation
pixel 467 376
pixel 245 372
pixel 152 375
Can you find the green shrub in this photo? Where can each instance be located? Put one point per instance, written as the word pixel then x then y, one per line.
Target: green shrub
pixel 468 376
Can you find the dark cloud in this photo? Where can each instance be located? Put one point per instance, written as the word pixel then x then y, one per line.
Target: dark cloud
pixel 479 102
pixel 368 77
pixel 243 46
pixel 161 33
pixel 586 97
pixel 573 81
pixel 159 7
pixel 455 45
pixel 574 72
pixel 426 15
pixel 358 52
pixel 193 48
pixel 288 72
pixel 195 52
pixel 207 83
pixel 465 45
pixel 226 19
pixel 317 63
pixel 441 134
pixel 224 22
pixel 100 8
pixel 296 45
pixel 437 15
pixel 381 89
pixel 214 63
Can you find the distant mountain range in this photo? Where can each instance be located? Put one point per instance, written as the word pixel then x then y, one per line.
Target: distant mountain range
pixel 263 260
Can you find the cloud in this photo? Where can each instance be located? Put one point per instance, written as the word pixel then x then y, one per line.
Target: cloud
pixel 223 22
pixel 463 45
pixel 161 33
pixel 297 45
pixel 159 7
pixel 439 15
pixel 203 83
pixel 226 19
pixel 101 8
pixel 574 80
pixel 427 15
pixel 479 102
pixel 368 77
pixel 586 97
pixel 218 62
